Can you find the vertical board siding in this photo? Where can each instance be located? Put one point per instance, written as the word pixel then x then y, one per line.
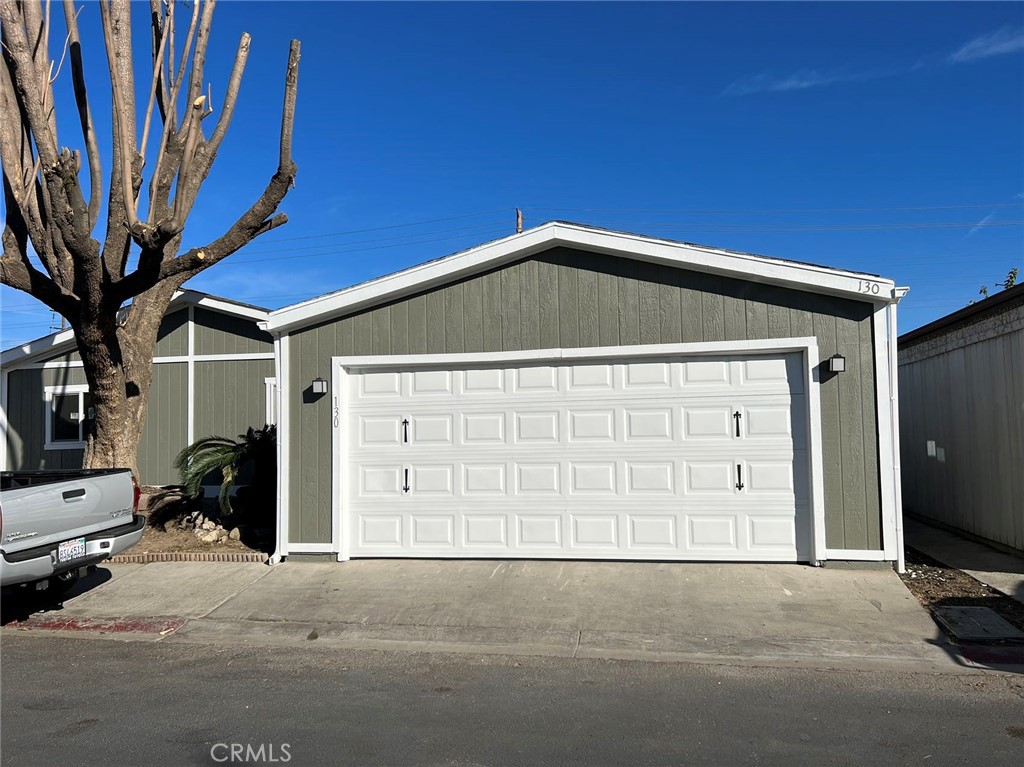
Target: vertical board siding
pixel 566 299
pixel 172 336
pixel 26 419
pixel 969 402
pixel 219 333
pixel 166 429
pixel 230 396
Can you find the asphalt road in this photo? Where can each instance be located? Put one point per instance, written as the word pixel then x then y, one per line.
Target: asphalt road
pixel 108 702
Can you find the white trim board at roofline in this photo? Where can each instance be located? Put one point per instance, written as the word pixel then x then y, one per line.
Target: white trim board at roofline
pixel 20 356
pixel 742 266
pixel 338 545
pixel 241 356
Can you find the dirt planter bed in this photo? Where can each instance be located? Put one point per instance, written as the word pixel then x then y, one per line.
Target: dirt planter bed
pixel 937 585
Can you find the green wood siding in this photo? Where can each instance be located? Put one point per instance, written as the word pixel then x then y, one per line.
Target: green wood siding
pixel 218 333
pixel 26 419
pixel 568 298
pixel 172 337
pixel 230 396
pixel 166 430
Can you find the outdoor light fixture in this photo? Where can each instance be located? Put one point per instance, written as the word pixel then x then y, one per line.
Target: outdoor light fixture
pixel 837 364
pixel 319 386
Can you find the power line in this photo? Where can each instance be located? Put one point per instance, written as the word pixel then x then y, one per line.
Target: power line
pixel 393 226
pixel 777 211
pixel 233 262
pixel 706 228
pixel 466 229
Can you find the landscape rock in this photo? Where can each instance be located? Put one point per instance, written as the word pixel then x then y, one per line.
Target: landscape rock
pixel 209 537
pixel 235 534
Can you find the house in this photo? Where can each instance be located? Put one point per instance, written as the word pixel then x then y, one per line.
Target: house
pixel 213 374
pixel 576 393
pixel 962 419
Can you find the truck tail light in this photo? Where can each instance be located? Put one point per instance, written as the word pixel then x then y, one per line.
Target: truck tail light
pixel 136 494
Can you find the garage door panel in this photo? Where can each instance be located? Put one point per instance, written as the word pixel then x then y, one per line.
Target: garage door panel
pixel 647 375
pixel 685 458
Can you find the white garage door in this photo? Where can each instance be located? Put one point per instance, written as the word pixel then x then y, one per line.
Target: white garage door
pixel 671 458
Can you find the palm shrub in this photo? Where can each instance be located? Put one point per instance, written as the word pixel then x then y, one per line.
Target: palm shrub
pixel 257 448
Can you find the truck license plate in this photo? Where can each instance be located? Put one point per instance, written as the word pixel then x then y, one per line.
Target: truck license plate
pixel 69 550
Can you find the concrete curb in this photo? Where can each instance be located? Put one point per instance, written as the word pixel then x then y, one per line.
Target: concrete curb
pixel 189 556
pixel 473 640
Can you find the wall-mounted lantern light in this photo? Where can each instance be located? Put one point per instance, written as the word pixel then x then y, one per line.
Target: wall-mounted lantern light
pixel 319 386
pixel 837 364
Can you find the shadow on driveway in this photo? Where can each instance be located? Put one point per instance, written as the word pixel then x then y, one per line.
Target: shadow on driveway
pixel 19 603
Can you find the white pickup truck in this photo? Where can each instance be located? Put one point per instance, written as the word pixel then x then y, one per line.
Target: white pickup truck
pixel 55 525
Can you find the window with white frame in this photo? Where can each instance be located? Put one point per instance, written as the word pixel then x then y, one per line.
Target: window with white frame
pixel 69 414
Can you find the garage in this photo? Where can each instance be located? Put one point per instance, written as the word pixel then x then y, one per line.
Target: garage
pixel 654 458
pixel 574 393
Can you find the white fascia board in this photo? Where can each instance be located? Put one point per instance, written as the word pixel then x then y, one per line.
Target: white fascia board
pixel 806 277
pixel 51 344
pixel 55 343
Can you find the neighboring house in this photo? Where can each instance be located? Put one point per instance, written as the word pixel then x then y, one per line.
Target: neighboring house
pixel 213 374
pixel 962 419
pixel 577 393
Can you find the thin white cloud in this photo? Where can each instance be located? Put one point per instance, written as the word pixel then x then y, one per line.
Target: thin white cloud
pixel 1005 40
pixel 803 79
pixel 980 224
pixel 999 43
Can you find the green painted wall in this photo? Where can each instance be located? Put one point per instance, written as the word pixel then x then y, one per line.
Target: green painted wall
pixel 172 337
pixel 230 396
pixel 26 419
pixel 567 298
pixel 218 333
pixel 166 430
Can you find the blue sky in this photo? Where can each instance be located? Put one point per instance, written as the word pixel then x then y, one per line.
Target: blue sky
pixel 886 138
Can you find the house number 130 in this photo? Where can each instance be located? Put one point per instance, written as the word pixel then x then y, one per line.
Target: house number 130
pixel 335 412
pixel 868 287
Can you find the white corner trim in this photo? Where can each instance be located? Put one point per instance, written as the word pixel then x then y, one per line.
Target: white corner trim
pixel 808 346
pixel 281 348
pixel 883 428
pixel 894 429
pixel 814 452
pixel 677 254
pixel 339 459
pixel 190 377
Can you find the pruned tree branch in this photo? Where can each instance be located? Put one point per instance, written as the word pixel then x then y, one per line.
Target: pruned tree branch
pixel 49 219
pixel 257 220
pixel 92 151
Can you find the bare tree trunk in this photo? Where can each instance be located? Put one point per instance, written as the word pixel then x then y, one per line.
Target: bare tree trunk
pixel 118 364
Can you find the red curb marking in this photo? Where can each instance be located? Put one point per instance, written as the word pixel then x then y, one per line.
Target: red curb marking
pixel 115 626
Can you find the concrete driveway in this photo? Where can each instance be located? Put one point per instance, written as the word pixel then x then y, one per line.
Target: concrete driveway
pixel 659 611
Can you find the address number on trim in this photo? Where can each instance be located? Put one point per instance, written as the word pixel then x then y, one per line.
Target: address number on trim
pixel 867 287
